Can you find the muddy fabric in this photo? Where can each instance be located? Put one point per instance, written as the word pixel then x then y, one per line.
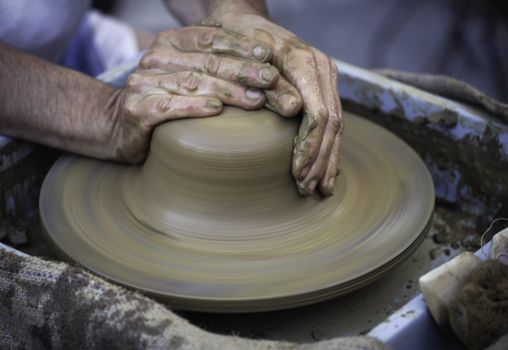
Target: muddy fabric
pixel 479 313
pixel 451 88
pixel 53 305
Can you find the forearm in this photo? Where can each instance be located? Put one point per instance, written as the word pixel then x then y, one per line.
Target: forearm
pixel 187 11
pixel 239 7
pixel 55 106
pixel 191 11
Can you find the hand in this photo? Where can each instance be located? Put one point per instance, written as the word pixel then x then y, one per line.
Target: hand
pixel 190 72
pixel 316 151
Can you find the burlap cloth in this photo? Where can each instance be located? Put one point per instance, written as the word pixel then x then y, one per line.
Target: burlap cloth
pixel 52 305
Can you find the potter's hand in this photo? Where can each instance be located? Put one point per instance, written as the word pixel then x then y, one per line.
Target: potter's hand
pixel 226 65
pixel 190 72
pixel 316 151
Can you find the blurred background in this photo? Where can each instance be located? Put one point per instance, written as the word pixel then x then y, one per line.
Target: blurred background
pixel 466 39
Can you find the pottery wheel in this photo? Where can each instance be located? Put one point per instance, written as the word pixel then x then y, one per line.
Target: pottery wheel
pixel 212 220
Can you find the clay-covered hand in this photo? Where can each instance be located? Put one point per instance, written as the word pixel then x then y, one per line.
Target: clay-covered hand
pixel 314 74
pixel 189 72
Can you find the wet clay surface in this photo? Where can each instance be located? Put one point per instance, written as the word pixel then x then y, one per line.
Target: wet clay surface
pixel 213 220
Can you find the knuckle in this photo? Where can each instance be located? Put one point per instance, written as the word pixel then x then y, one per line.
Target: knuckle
pixel 164 103
pixel 191 80
pixel 322 114
pixel 166 36
pixel 319 54
pixel 234 37
pixel 302 52
pixel 307 55
pixel 334 123
pixel 302 57
pixel 130 106
pixel 211 64
pixel 148 59
pixel 134 80
pixel 243 73
pixel 295 43
pixel 265 36
pixel 205 37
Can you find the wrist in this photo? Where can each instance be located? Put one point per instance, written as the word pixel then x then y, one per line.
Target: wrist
pixel 219 8
pixel 112 112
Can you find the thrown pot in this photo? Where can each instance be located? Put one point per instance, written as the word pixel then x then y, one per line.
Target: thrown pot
pixel 213 221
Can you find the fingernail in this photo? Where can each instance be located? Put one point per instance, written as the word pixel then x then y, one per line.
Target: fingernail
pixel 327 189
pixel 304 171
pixel 214 104
pixel 260 52
pixel 301 188
pixel 312 186
pixel 306 190
pixel 267 75
pixel 289 104
pixel 331 188
pixel 253 94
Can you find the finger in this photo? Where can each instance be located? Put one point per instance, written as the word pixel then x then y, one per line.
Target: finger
pixel 248 73
pixel 319 165
pixel 317 172
pixel 216 40
pixel 158 106
pixel 198 84
pixel 315 114
pixel 193 107
pixel 327 182
pixel 284 99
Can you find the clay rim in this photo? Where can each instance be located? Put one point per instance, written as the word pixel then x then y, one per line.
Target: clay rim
pixel 241 305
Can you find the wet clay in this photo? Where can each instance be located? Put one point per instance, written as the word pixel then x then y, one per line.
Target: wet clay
pixel 479 313
pixel 213 220
pixel 473 167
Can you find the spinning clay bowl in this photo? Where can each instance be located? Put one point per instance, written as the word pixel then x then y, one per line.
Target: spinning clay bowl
pixel 212 221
